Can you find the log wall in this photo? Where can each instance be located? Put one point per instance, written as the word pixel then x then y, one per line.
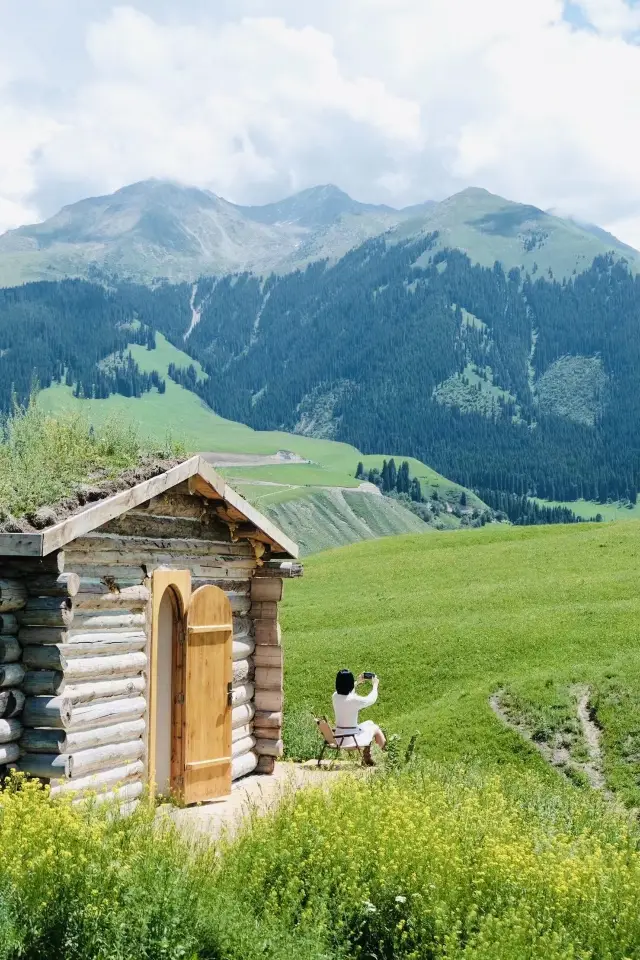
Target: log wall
pixel 74 647
pixel 15 574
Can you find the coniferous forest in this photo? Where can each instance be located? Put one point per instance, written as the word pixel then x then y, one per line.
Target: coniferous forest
pixel 510 384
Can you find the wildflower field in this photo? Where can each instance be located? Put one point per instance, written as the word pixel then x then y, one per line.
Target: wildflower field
pixel 422 863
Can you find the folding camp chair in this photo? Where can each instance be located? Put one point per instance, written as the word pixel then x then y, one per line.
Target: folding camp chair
pixel 335 743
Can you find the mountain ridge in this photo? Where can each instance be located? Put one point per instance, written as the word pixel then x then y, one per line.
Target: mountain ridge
pixel 156 229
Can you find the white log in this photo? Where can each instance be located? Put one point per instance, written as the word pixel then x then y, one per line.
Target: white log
pixel 37 683
pixel 10 730
pixel 10 649
pixel 81 645
pixel 100 782
pixel 240 747
pixel 130 792
pixel 65 741
pixel 11 703
pixel 46 712
pixel 243 671
pixel 242 627
pixel 97 715
pixel 95 668
pixel 125 545
pixel 104 689
pixel 271 719
pixel 269 748
pixel 210 565
pixel 108 586
pixel 13 595
pixel 242 714
pixel 103 621
pixel 239 733
pixel 241 766
pixel 122 575
pixel 64 585
pixel 8 624
pixel 129 598
pixel 101 758
pixel 9 752
pixel 243 647
pixel 242 694
pixel 11 674
pixel 95 644
pixel 269 700
pixel 47 612
pixel 46 766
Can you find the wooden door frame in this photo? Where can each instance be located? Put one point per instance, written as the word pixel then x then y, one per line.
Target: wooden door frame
pixel 179 584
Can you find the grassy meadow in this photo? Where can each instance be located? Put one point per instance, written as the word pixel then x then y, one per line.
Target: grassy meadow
pixel 473 848
pixel 448 620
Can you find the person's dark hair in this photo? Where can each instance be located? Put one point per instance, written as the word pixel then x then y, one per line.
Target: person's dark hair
pixel 344 682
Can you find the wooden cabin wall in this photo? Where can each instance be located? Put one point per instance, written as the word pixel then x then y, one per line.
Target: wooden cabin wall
pixel 86 653
pixel 74 648
pixel 13 597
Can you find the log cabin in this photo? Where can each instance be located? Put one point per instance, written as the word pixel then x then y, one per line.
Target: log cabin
pixel 140 648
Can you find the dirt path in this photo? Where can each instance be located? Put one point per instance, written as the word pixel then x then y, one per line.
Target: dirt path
pixel 255 793
pixel 559 755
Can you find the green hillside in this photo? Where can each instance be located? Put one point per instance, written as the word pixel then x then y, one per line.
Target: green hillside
pixel 489 228
pixel 298 495
pixel 448 621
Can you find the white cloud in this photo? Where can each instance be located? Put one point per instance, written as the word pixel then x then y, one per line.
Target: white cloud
pixel 395 100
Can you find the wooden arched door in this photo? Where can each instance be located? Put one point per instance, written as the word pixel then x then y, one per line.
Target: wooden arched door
pixel 207 696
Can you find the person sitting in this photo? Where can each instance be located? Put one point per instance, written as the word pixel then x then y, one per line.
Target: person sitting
pixel 346 706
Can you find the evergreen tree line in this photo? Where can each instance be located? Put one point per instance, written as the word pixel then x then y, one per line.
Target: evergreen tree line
pixel 523 511
pixel 185 376
pixel 62 332
pixel 387 323
pixel 124 376
pixel 391 478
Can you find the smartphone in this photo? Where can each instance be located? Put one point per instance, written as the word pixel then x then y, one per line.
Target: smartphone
pixel 368 676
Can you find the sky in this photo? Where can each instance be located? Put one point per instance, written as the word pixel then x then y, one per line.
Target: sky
pixel 395 101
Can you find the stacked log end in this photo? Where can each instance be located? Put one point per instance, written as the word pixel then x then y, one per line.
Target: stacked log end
pixel 13 596
pixel 84 663
pixel 266 593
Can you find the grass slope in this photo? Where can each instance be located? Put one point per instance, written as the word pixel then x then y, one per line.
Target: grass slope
pixel 321 519
pixel 447 621
pixel 490 228
pixel 179 415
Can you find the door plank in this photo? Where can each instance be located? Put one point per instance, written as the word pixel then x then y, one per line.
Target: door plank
pixel 207 712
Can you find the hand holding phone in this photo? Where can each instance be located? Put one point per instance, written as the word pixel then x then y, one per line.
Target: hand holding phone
pixel 368 675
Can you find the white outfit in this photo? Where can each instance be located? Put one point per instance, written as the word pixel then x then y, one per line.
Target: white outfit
pixel 346 709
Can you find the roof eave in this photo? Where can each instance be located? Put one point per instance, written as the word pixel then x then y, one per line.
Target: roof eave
pixel 213 487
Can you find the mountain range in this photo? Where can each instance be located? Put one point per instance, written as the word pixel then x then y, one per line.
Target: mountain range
pixel 498 343
pixel 159 229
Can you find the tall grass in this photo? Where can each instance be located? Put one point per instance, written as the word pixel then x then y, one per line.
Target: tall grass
pixel 436 863
pixel 83 883
pixel 43 457
pixel 417 864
